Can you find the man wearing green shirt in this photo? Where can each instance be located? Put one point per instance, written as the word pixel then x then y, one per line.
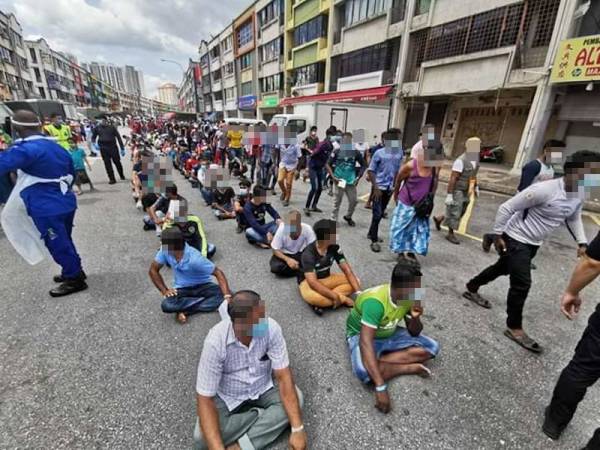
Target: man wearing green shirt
pixel 380 349
pixel 342 170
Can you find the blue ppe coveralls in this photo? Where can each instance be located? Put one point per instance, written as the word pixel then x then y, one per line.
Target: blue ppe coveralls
pixel 52 211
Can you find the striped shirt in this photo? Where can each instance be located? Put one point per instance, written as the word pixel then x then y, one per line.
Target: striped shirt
pixel 237 373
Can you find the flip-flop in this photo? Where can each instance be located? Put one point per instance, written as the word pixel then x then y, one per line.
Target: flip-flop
pixel 477 299
pixel 524 341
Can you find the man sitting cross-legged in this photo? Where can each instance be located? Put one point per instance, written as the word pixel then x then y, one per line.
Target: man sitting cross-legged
pixel 290 239
pixel 380 349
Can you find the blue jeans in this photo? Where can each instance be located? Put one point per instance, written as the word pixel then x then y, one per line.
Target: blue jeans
pixel 317 177
pixel 254 237
pixel 207 195
pixel 56 233
pixel 194 299
pixel 400 340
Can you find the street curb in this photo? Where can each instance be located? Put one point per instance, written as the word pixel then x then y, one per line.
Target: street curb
pixel 509 190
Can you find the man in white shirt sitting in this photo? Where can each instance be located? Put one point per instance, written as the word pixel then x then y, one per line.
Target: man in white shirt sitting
pixel 238 405
pixel 290 239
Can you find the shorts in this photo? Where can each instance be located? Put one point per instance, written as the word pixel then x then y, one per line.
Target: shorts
pixel 81 177
pixel 400 340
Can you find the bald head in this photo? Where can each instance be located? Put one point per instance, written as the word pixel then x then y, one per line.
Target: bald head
pixel 26 123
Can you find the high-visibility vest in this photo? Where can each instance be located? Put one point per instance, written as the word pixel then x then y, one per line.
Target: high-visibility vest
pixel 62 135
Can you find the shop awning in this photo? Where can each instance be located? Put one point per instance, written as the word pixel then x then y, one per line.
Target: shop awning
pixel 355 96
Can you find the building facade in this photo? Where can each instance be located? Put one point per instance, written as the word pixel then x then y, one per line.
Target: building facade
pixel 167 93
pixel 189 92
pixel 246 67
pixel 15 77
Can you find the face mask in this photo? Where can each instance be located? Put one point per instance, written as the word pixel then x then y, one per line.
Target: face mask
pixel 260 329
pixel 243 191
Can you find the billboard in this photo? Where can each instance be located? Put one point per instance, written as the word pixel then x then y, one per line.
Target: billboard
pixel 577 60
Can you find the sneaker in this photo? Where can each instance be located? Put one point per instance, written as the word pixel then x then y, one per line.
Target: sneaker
pixel 452 239
pixel 138 205
pixel 316 210
pixel 375 247
pixel 286 203
pixel 351 222
pixel 307 212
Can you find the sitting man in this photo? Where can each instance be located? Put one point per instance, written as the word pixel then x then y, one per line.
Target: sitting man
pixel 381 350
pixel 191 227
pixel 237 404
pixel 260 233
pixel 158 211
pixel 193 291
pixel 318 287
pixel 223 203
pixel 290 239
pixel 240 202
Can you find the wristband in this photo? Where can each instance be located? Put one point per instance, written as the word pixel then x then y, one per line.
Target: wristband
pixel 298 429
pixel 381 388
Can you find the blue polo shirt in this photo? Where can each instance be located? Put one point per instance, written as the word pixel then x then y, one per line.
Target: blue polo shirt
pixel 41 157
pixel 385 165
pixel 191 270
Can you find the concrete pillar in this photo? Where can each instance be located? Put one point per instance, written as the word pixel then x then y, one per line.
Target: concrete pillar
pixel 543 100
pixel 399 106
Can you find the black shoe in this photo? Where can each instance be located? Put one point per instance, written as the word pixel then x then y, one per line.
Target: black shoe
pixel 375 247
pixel 318 311
pixel 69 287
pixel 384 215
pixel 351 222
pixel 239 230
pixel 307 212
pixel 123 179
pixel 148 227
pixel 112 182
pixel 61 279
pixel 551 429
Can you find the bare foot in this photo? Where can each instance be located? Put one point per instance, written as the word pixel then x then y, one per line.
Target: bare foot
pixel 425 372
pixel 347 301
pixel 181 318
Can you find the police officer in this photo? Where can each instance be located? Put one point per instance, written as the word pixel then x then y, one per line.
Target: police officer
pixel 59 131
pixel 584 368
pixel 108 137
pixel 40 210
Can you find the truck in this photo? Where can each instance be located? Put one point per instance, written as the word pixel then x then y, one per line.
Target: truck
pixel 374 119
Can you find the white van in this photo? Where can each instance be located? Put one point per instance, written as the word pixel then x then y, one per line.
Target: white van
pixel 244 122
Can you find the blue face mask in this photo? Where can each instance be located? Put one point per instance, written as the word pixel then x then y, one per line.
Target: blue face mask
pixel 260 329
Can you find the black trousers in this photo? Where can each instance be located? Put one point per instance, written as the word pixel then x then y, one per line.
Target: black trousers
pixel 581 372
pixel 280 268
pixel 110 156
pixel 516 263
pixel 378 208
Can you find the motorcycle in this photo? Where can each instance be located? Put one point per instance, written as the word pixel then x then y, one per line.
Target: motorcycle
pixel 492 153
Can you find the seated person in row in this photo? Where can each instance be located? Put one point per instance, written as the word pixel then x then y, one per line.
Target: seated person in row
pixel 234 413
pixel 318 286
pixel 158 211
pixel 240 202
pixel 259 232
pixel 191 227
pixel 290 239
pixel 223 203
pixel 380 349
pixel 193 290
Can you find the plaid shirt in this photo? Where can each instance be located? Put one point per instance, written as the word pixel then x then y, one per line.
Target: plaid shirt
pixel 237 373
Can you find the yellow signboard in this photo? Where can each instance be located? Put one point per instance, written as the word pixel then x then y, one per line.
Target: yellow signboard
pixel 577 60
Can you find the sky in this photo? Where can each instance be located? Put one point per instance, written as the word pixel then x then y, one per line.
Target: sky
pixel 133 32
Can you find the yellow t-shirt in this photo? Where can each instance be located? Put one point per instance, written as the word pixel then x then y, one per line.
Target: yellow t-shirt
pixel 235 138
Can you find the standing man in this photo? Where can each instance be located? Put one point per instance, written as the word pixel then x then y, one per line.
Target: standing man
pixel 238 405
pixel 60 132
pixel 584 369
pixel 464 174
pixel 382 171
pixel 522 224
pixel 108 137
pixel 289 155
pixel 316 171
pixel 42 204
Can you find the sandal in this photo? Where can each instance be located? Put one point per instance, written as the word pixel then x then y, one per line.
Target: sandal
pixel 181 318
pixel 478 299
pixel 524 341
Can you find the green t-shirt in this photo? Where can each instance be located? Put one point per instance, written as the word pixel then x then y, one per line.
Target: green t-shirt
pixel 374 308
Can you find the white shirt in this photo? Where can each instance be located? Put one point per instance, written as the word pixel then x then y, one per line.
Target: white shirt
pixel 283 242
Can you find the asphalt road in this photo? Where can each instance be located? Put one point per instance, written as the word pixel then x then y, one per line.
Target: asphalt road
pixel 107 369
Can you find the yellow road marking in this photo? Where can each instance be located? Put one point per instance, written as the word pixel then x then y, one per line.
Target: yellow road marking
pixel 464 222
pixel 592 216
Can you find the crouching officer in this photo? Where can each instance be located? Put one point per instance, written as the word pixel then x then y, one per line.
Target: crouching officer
pixel 40 210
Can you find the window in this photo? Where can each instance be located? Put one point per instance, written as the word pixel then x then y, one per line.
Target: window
pixel 271 83
pixel 298 125
pixel 269 12
pixel 5 54
pixel 311 30
pixel 33 55
pixel 369 59
pixel 228 69
pixel 358 10
pixel 245 34
pixel 227 44
pixel 229 93
pixel 216 75
pixel 214 52
pixel 247 88
pixel 313 73
pixel 271 50
pixel 37 74
pixel 246 61
pixel 42 92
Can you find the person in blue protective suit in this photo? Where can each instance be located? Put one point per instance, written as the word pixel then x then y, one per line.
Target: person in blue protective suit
pixel 40 210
